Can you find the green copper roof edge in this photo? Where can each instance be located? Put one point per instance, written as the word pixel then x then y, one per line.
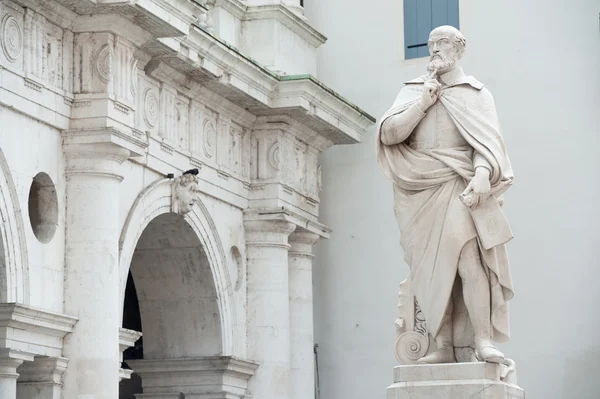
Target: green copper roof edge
pixel 289 78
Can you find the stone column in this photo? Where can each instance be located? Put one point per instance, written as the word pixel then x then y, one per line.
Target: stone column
pixel 268 306
pixel 91 272
pixel 41 379
pixel 10 360
pixel 302 378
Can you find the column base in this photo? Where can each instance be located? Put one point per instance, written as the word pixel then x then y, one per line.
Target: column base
pixel 457 380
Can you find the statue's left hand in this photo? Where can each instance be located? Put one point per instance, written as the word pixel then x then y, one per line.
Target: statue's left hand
pixel 480 186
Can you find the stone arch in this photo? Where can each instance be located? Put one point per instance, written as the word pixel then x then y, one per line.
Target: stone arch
pixel 155 201
pixel 14 266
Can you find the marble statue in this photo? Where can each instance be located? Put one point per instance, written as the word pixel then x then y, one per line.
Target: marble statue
pixel 184 192
pixel 441 146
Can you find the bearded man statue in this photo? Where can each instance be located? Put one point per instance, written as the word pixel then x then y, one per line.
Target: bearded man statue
pixel 441 146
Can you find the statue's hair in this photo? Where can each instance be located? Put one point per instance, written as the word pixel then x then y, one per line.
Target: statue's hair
pixel 460 43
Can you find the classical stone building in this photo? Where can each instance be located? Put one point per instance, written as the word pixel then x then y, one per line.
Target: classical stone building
pixel 104 105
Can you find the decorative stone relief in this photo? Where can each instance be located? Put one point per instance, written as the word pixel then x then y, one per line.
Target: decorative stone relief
pixel 412 338
pixel 12 38
pixel 235 148
pixel 184 192
pixel 274 156
pixel 52 56
pixel 167 114
pixel 299 166
pixel 237 269
pixel 210 138
pixel 102 63
pixel 196 117
pixel 181 122
pixel 151 107
pixel 133 71
pixel 319 178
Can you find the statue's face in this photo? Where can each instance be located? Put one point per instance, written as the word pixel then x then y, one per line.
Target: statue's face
pixel 186 198
pixel 443 52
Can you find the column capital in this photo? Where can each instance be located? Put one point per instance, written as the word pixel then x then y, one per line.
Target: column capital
pixel 301 242
pixel 43 369
pixel 10 360
pixel 268 232
pixel 268 228
pixel 99 151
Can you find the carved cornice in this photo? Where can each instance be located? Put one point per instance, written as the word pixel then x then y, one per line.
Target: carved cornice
pixel 283 214
pixel 162 18
pixel 234 7
pixel 129 142
pixel 241 80
pixel 33 319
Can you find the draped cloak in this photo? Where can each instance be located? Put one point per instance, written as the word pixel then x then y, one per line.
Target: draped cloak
pixel 434 224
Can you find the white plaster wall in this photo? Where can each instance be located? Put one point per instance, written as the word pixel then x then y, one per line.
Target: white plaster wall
pixel 226 25
pixel 277 47
pixel 540 60
pixel 31 147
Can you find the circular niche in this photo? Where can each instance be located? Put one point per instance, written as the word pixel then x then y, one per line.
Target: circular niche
pixel 43 207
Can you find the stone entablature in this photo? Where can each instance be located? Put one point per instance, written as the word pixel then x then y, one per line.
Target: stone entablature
pixel 194 100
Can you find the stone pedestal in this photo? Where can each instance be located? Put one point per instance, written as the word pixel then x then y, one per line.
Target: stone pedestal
pixel 455 381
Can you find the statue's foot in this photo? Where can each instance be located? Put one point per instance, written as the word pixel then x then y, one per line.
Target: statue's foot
pixel 489 353
pixel 443 355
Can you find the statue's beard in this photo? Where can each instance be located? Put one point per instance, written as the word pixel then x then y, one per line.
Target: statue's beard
pixel 439 63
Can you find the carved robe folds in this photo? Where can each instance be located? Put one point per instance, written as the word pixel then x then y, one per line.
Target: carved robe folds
pixel 430 171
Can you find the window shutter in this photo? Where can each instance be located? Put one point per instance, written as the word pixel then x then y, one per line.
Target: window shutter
pixel 410 29
pixel 424 26
pixel 420 18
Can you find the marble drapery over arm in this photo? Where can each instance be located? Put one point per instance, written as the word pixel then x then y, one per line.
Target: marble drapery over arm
pixel 398 127
pixel 474 114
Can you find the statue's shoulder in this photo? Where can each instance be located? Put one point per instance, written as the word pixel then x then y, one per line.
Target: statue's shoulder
pixel 469 80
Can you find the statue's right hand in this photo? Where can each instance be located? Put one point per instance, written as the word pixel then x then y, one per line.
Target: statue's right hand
pixel 431 91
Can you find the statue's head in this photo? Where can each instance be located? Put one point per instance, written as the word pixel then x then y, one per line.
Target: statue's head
pixel 184 193
pixel 446 46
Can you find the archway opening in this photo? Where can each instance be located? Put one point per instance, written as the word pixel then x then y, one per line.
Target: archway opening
pixel 170 297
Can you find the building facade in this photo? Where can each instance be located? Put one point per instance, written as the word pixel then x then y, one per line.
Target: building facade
pixel 121 275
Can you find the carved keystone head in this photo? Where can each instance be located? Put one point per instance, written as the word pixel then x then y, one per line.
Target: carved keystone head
pixel 184 192
pixel 446 46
